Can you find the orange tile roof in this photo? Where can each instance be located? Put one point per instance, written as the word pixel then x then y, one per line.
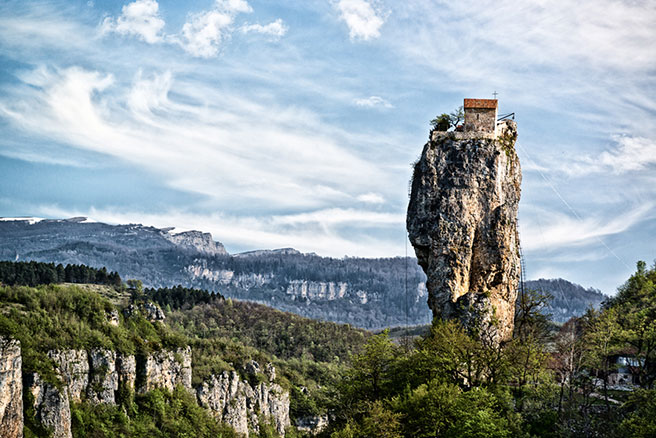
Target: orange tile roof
pixel 481 103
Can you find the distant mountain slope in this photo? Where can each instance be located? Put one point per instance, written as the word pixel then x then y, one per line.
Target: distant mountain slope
pixel 368 293
pixel 569 299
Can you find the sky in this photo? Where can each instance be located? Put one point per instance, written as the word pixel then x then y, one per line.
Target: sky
pixel 295 123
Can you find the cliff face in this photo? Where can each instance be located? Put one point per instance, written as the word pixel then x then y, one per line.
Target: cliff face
pixel 95 376
pixel 11 389
pixel 197 241
pixel 235 402
pixel 462 222
pixel 51 407
pixel 166 369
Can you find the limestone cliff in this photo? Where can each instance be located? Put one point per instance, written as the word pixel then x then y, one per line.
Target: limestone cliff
pixel 235 402
pixel 462 222
pixel 197 241
pixel 95 377
pixel 11 389
pixel 51 407
pixel 166 369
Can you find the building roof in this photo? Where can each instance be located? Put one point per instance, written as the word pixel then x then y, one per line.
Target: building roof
pixel 481 103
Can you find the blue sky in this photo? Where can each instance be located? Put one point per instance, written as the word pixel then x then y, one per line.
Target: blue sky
pixel 275 124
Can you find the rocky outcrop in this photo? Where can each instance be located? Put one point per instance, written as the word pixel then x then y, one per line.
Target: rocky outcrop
pixel 272 402
pixel 462 222
pixel 51 407
pixel 313 425
pixel 165 369
pixel 269 252
pixel 126 370
pixel 225 396
pixel 235 402
pixel 11 388
pixel 198 241
pixel 151 311
pixel 73 369
pixel 103 378
pixel 113 318
pixel 94 376
pixel 99 375
pixel 317 290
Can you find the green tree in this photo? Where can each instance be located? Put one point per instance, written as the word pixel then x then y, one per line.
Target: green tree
pixel 370 374
pixel 136 286
pixel 445 410
pixel 441 123
pixel 639 415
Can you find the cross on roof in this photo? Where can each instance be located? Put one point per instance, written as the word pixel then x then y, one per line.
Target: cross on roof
pixel 495 94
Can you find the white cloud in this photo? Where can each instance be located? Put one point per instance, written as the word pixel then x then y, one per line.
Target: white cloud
pixel 233 6
pixel 28 28
pixel 203 33
pixel 371 198
pixel 149 94
pixel 140 18
pixel 364 22
pixel 595 57
pixel 552 230
pixel 372 102
pixel 288 159
pixel 275 28
pixel 335 216
pixel 631 154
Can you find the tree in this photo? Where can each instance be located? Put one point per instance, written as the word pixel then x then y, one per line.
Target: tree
pixel 380 422
pixel 451 352
pixel 371 368
pixel 457 116
pixel 445 121
pixel 635 307
pixel 528 350
pixel 441 123
pixel 442 409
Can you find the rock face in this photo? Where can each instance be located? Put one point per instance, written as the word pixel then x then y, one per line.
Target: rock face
pixel 462 222
pixel 317 290
pixel 198 241
pixel 151 311
pixel 73 368
pixel 11 389
pixel 312 424
pixel 103 381
pixel 233 401
pixel 126 369
pixel 99 375
pixel 166 369
pixel 51 407
pixel 94 376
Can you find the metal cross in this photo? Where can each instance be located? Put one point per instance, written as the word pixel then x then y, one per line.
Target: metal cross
pixel 495 94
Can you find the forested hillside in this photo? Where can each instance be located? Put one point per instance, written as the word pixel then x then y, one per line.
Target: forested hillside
pixel 445 383
pixel 224 335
